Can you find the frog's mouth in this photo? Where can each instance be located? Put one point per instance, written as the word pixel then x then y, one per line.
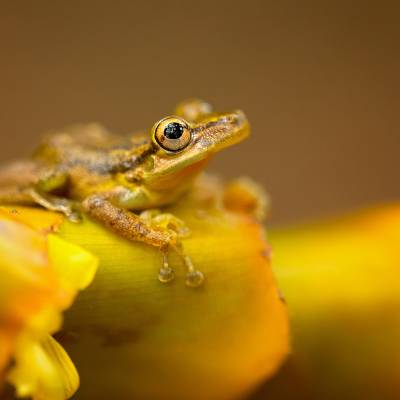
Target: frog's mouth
pixel 178 177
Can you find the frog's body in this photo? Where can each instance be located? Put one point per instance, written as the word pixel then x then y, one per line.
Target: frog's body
pixel 105 175
pixel 91 161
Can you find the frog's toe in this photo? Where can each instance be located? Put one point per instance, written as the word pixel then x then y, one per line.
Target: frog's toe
pixel 166 221
pixel 149 215
pixel 194 278
pixel 74 216
pixel 166 274
pixel 169 221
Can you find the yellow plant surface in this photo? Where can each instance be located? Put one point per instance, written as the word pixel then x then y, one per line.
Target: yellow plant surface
pixel 341 279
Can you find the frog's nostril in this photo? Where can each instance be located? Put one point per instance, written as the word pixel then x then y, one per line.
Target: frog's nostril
pixel 237 118
pixel 240 117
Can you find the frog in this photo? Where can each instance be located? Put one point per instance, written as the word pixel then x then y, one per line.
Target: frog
pixel 124 181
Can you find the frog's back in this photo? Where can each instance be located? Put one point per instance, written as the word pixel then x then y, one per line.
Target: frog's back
pixel 91 156
pixel 87 146
pixel 88 153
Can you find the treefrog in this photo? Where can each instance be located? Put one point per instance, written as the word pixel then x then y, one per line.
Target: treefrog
pixel 123 181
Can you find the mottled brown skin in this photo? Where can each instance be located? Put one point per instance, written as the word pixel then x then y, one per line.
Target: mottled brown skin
pixel 109 177
pixel 127 224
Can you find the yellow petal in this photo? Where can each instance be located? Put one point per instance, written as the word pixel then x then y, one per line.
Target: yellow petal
pixel 40 276
pixel 43 370
pixel 66 370
pixel 27 283
pixel 74 266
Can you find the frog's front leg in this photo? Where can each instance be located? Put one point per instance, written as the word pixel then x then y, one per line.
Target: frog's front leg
pixel 155 230
pixel 51 180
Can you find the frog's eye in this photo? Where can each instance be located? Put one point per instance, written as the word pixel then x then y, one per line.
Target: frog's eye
pixel 172 134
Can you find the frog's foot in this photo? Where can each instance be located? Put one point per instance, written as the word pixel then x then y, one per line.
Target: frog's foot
pixel 166 273
pixel 54 203
pixel 243 195
pixel 166 221
pixel 177 228
pixel 162 231
pixel 15 196
pixel 194 277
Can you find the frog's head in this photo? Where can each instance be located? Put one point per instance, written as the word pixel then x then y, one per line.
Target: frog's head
pixel 182 146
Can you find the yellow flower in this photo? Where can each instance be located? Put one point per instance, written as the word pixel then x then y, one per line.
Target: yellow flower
pixel 36 284
pixel 131 336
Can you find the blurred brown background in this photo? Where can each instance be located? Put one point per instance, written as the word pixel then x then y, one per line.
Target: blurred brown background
pixel 318 80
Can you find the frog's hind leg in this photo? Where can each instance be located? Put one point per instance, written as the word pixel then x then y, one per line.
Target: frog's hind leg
pixel 29 183
pixel 153 228
pixel 15 196
pixel 19 174
pixel 30 196
pixel 14 178
pixel 243 195
pixel 54 203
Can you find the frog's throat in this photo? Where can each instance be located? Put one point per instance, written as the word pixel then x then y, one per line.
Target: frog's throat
pixel 178 178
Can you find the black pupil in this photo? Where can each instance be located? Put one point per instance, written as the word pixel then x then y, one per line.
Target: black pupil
pixel 173 130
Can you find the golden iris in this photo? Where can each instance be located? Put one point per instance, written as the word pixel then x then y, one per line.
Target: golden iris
pixel 172 134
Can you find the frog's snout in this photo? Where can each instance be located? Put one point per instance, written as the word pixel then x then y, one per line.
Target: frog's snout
pixel 239 121
pixel 238 117
pixel 237 126
pixel 223 130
